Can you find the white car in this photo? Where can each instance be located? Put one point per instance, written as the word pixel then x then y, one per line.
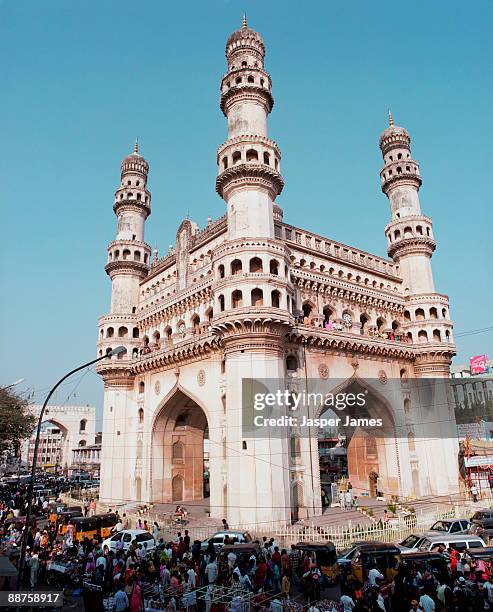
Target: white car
pixel 128 536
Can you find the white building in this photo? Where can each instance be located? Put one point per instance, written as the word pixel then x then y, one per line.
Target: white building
pixel 63 428
pixel 251 296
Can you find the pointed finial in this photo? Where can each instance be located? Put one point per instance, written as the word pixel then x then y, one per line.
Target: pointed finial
pixel 244 22
pixel 136 146
pixel 391 119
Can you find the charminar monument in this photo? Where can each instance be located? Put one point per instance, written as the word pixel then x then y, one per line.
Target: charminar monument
pixel 252 297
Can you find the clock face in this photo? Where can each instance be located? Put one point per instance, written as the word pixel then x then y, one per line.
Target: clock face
pixel 181 329
pixel 347 319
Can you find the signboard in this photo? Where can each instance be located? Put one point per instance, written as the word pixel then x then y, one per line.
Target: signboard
pixel 479 460
pixel 478 365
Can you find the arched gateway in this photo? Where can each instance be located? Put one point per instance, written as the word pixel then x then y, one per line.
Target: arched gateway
pixel 177 450
pixel 372 452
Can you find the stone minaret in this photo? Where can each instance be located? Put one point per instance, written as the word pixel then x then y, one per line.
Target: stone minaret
pixel 128 263
pixel 252 292
pixel 411 243
pixel 249 176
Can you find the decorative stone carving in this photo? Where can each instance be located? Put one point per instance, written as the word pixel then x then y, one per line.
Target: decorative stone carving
pixel 201 378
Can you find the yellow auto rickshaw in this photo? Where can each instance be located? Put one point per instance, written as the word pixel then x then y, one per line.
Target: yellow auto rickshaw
pixel 384 557
pixel 67 516
pixel 54 510
pixel 85 527
pixel 106 523
pixel 324 555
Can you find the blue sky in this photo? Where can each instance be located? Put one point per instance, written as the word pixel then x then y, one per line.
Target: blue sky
pixel 80 80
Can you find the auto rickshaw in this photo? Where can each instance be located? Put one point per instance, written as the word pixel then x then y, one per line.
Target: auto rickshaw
pixel 324 556
pixel 425 561
pixel 85 527
pixel 480 561
pixel 106 522
pixel 54 509
pixel 67 516
pixel 384 557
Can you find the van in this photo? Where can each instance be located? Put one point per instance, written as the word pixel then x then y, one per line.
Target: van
pixel 459 542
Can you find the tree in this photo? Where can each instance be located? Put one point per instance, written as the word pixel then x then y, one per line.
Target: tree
pixel 16 423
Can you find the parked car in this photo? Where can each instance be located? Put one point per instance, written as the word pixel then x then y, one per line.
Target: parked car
pixel 482 522
pixel 128 536
pixel 451 526
pixel 345 557
pixel 237 537
pixel 411 543
pixel 459 542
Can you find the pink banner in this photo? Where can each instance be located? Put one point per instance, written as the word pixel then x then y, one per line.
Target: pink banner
pixel 478 364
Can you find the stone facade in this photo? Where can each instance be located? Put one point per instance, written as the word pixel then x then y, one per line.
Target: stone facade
pixel 250 296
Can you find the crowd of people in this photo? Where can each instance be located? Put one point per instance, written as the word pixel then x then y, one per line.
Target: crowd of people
pixel 181 573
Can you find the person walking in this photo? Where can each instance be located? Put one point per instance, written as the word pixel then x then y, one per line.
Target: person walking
pixel 474 493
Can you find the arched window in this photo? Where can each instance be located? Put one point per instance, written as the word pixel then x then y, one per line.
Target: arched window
pixel 381 324
pixel 236 157
pixel 178 451
pixel 444 313
pixel 329 314
pixel 236 266
pixel 141 415
pixel 135 332
pixel 82 443
pixel 433 313
pixel 126 254
pixel 411 441
pixel 237 299
pixel 370 447
pixel 256 264
pixel 257 297
pixel 122 332
pixel 209 314
pixel 407 405
pixel 251 155
pixel 82 425
pixel 274 267
pixel 220 271
pixel 419 314
pixel 251 79
pixel 221 302
pixel 422 336
pixel 276 299
pixel 266 158
pixel 110 332
pixel 225 163
pixel 195 323
pixel 137 256
pixel 395 326
pixel 364 320
pixel 182 420
pixel 142 387
pixel 122 354
pixel 295 447
pixel 407 315
pixel 291 363
pixel 437 337
pixel 168 334
pixel 156 336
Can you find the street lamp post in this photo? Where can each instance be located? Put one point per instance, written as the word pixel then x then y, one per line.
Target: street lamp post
pixel 116 351
pixel 17 382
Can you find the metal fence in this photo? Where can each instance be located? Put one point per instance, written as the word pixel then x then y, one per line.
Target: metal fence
pixel 341 535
